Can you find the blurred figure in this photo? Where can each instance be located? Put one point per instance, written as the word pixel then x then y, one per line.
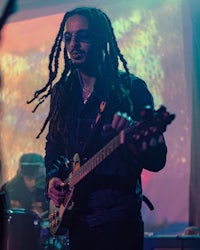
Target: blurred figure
pixel 26 205
pixel 26 189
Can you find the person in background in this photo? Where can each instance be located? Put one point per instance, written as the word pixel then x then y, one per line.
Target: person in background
pixel 27 189
pixel 91 103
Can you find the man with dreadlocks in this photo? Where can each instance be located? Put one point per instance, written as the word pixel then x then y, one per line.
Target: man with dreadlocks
pixel 91 103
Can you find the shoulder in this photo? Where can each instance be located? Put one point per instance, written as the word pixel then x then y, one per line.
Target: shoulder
pixel 132 81
pixel 57 91
pixel 138 91
pixel 136 86
pixel 58 86
pixel 14 184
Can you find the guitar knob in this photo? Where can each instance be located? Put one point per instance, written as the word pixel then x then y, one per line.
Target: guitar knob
pixel 52 224
pixel 57 221
pixel 162 109
pixel 51 216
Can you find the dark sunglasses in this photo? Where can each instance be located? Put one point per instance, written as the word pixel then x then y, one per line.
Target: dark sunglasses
pixel 82 36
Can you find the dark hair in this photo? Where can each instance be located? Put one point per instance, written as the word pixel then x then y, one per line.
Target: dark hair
pixel 107 53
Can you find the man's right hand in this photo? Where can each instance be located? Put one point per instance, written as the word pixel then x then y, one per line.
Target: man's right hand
pixel 57 191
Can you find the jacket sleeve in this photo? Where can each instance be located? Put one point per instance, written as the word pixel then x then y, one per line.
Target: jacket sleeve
pixel 55 159
pixel 154 157
pixel 55 153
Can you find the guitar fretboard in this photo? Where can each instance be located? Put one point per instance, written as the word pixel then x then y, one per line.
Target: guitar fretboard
pixel 96 159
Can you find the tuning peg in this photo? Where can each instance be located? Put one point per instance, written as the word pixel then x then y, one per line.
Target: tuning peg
pixel 162 109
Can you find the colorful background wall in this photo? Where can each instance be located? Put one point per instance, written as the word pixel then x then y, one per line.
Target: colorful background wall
pixel 152 37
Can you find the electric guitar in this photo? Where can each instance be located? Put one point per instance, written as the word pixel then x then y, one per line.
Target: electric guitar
pixel 151 122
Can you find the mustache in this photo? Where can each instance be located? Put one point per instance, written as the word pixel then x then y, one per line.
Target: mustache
pixel 76 50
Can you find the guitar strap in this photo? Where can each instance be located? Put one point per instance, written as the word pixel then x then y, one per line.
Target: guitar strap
pixel 147 202
pixel 101 110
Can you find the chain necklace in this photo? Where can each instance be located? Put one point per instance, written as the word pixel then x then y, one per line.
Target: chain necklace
pixel 87 91
pixel 86 94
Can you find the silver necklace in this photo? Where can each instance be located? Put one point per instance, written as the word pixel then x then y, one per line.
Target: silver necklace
pixel 86 94
pixel 86 91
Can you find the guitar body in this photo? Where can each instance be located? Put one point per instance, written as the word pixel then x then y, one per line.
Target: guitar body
pixel 61 218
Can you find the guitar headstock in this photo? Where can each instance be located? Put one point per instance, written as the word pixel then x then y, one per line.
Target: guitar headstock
pixel 151 122
pixel 160 117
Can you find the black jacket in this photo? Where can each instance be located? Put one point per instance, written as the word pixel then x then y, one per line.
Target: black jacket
pixel 115 184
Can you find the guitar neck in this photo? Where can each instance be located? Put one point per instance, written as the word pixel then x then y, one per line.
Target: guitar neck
pixel 154 123
pixel 96 159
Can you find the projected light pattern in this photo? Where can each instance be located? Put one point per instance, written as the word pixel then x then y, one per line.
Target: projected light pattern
pixel 19 128
pixel 140 39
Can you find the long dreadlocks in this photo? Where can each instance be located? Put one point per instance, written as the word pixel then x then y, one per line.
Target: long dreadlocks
pixel 107 53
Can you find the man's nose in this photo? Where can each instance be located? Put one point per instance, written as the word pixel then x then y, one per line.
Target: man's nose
pixel 74 40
